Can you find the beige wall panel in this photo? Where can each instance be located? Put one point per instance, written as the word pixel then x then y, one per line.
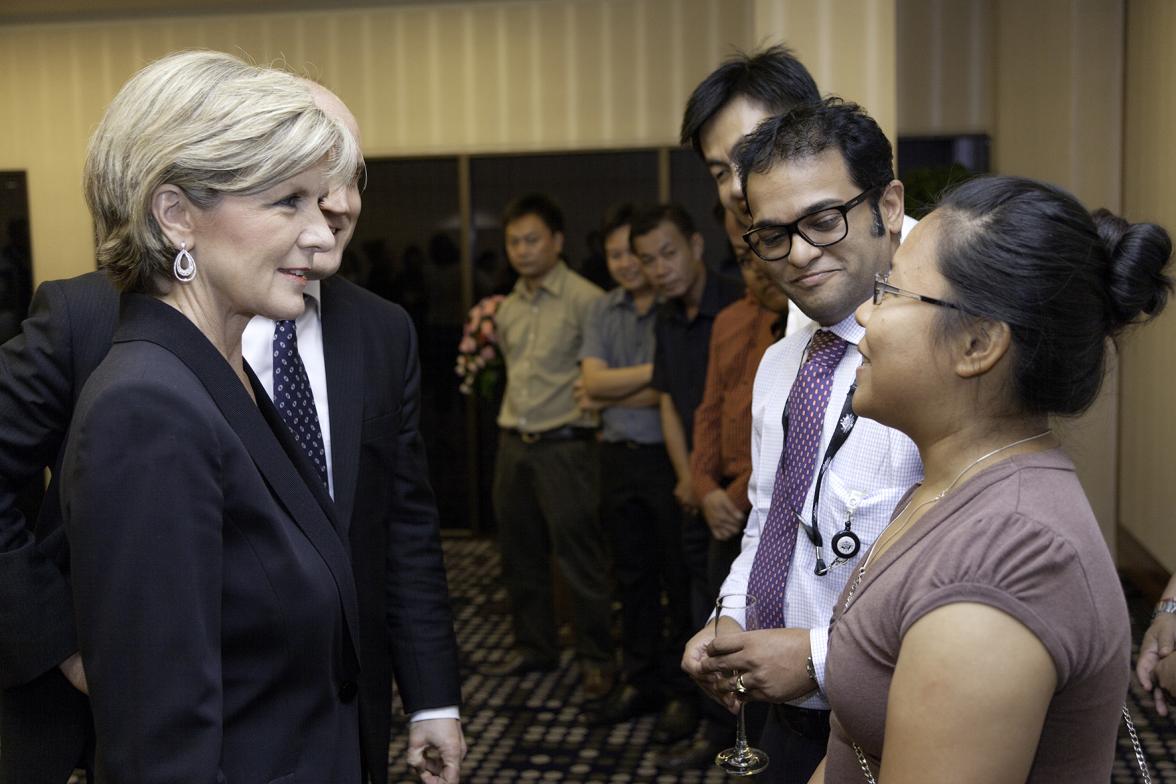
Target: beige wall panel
pixel 587 74
pixel 1148 427
pixel 1059 74
pixel 661 67
pixel 514 36
pixel 440 78
pixel 1032 135
pixel 847 45
pixel 551 91
pixel 1096 86
pixel 920 73
pixel 1060 93
pixel 946 66
pixel 621 75
pixel 728 24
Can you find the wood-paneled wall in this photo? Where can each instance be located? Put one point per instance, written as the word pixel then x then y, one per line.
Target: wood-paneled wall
pixel 1044 80
pixel 847 45
pixel 430 78
pixel 441 78
pixel 946 66
pixel 1058 117
pixel 1147 450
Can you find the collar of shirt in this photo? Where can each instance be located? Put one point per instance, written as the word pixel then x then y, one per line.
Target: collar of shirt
pixel 622 299
pixel 552 283
pixel 711 301
pixel 257 348
pixel 848 330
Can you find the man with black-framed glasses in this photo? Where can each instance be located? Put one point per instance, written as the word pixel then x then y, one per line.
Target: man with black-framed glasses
pixel 826 217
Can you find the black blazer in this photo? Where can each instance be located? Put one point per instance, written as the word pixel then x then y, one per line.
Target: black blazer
pixel 382 488
pixel 382 495
pixel 214 597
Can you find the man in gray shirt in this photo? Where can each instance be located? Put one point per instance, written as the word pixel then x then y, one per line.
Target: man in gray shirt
pixel 637 508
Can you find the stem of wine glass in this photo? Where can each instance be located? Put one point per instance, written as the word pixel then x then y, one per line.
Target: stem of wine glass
pixel 741 732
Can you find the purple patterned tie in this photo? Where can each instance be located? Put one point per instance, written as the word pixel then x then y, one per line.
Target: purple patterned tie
pixel 806 413
pixel 294 398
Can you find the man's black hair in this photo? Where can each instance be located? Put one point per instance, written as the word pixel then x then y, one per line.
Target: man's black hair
pixel 617 216
pixel 536 204
pixel 649 218
pixel 773 78
pixel 813 128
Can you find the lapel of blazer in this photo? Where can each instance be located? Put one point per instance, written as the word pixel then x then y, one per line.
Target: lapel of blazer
pixel 144 318
pixel 343 359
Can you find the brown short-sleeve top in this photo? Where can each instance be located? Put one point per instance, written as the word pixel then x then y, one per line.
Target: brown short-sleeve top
pixel 1020 537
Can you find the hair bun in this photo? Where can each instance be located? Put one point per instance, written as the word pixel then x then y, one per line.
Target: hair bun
pixel 1138 253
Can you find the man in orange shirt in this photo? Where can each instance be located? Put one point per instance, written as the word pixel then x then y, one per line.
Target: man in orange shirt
pixel 720 463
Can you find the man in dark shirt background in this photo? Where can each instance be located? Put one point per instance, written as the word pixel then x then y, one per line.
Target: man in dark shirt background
pixel 670 249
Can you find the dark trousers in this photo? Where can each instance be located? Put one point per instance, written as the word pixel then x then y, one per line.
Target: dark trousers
pixel 45 731
pixel 708 561
pixel 638 510
pixel 720 556
pixel 545 497
pixel 795 740
pixel 696 541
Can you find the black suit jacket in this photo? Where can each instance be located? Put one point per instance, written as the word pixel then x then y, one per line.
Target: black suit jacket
pixel 382 487
pixel 382 495
pixel 214 597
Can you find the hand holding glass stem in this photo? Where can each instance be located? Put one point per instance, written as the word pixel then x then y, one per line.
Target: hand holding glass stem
pixel 741 759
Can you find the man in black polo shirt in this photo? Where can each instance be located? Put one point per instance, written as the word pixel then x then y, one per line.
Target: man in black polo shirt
pixel 670 249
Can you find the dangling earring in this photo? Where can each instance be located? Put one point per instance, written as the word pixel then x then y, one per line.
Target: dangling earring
pixel 184 267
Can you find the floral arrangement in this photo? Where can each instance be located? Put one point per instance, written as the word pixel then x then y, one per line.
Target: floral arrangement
pixel 479 361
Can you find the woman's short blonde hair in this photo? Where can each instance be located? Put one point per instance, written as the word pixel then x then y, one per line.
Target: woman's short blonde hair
pixel 211 125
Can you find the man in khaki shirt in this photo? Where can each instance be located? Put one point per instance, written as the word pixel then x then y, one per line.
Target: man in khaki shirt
pixel 545 480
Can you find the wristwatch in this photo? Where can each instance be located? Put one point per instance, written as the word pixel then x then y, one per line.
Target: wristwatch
pixel 812 668
pixel 1165 605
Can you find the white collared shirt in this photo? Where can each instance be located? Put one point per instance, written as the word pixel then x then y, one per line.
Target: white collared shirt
pixel 257 347
pixel 872 471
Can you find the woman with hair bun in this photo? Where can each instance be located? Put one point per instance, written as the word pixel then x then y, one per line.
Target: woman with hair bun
pixel 215 602
pixel 985 638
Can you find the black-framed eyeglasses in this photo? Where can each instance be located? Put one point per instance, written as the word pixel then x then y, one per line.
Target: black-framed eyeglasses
pixel 820 228
pixel 882 287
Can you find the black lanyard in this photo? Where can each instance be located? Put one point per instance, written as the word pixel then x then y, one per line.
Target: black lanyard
pixel 845 543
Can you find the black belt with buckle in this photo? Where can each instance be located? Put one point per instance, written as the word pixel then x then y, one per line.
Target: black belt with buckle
pixel 629 443
pixel 806 722
pixel 565 433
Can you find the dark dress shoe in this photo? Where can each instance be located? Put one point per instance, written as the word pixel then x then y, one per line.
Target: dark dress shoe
pixel 677 722
pixel 517 664
pixel 695 754
pixel 624 703
pixel 596 680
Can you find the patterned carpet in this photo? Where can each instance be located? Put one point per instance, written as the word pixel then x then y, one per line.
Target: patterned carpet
pixel 526 730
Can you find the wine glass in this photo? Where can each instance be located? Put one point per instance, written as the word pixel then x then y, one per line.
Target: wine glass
pixel 741 759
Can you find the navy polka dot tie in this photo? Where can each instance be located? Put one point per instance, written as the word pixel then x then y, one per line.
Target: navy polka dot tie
pixel 806 413
pixel 294 399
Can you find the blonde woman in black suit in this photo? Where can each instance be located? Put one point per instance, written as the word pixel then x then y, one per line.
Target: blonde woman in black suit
pixel 216 606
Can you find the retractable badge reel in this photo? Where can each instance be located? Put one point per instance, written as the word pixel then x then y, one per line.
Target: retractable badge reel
pixel 845 543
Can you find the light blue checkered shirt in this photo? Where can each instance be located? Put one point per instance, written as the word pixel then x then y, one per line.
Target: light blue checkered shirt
pixel 874 468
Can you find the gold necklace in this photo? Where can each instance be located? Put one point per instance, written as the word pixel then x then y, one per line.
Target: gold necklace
pixel 891 533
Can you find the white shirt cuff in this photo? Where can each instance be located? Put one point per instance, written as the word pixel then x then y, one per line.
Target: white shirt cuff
pixel 819 643
pixel 449 712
